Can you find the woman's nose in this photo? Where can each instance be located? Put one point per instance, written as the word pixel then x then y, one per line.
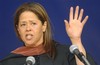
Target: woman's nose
pixel 28 28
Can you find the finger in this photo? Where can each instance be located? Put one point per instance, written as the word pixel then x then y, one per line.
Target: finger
pixel 81 15
pixel 85 20
pixel 76 12
pixel 71 14
pixel 66 24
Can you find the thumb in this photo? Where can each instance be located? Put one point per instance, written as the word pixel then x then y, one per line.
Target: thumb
pixel 66 24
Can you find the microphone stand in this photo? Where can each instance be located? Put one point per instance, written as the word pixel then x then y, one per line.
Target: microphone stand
pixel 83 59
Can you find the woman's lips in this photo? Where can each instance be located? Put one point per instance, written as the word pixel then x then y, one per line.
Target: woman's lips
pixel 29 36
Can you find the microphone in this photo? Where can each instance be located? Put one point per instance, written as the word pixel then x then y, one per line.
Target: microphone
pixel 30 60
pixel 74 50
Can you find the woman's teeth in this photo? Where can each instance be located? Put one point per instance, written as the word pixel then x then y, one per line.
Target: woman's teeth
pixel 29 36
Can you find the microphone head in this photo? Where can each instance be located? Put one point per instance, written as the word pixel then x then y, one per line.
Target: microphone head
pixel 72 48
pixel 31 59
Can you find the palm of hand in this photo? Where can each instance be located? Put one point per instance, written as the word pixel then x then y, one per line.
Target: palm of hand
pixel 75 29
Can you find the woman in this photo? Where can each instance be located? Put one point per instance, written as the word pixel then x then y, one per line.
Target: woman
pixel 32 26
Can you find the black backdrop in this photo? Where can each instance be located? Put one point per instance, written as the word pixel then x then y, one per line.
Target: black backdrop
pixel 58 11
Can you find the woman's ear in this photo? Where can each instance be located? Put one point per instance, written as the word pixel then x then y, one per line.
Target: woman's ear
pixel 17 28
pixel 44 26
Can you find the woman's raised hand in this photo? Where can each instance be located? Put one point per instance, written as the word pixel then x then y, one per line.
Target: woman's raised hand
pixel 75 25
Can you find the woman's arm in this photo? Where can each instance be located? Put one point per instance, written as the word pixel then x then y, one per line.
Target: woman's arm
pixel 74 29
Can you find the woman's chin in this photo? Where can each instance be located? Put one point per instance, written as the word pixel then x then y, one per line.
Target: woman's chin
pixel 29 45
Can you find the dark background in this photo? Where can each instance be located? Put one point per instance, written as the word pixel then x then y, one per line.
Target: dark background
pixel 58 10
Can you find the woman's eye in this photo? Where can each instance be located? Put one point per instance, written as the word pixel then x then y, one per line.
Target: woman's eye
pixel 23 24
pixel 33 23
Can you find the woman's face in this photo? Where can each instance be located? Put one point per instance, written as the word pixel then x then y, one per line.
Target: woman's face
pixel 31 29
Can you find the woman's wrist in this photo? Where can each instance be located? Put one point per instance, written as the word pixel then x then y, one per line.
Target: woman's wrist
pixel 77 41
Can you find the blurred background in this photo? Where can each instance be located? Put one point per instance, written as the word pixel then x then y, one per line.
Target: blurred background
pixel 58 10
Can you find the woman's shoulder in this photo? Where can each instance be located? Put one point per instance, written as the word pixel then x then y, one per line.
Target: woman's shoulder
pixel 62 47
pixel 13 59
pixel 10 56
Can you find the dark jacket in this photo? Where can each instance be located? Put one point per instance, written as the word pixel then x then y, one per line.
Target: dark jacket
pixel 63 57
